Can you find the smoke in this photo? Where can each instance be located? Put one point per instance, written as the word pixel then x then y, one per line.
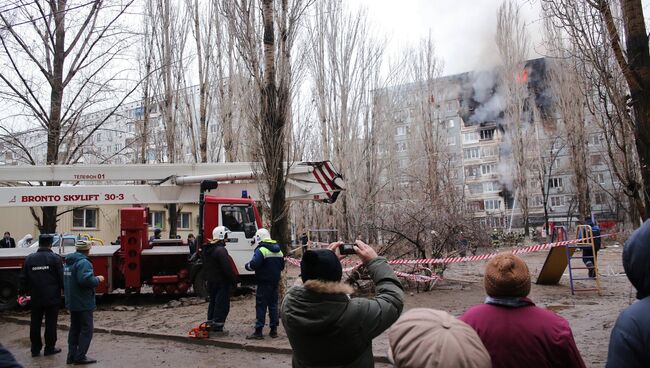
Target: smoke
pixel 482 98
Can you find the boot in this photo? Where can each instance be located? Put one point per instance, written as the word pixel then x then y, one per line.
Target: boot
pixel 257 335
pixel 592 270
pixel 273 333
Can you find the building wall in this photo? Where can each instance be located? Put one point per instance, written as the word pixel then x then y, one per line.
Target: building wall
pixel 19 222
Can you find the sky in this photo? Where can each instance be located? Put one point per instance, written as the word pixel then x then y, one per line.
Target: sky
pixel 463 30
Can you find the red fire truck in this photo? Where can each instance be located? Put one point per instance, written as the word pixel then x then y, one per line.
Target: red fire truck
pixel 225 194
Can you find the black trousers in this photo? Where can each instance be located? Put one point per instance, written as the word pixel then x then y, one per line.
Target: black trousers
pixel 80 334
pixel 51 314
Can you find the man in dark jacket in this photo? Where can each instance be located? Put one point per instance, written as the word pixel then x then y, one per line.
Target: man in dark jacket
pixel 7 241
pixel 630 338
pixel 42 278
pixel 80 283
pixel 268 263
pixel 515 332
pixel 220 276
pixel 326 328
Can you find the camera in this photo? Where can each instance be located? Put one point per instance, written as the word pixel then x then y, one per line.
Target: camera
pixel 346 249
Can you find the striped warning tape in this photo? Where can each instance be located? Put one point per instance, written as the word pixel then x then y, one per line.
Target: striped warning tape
pixel 447 260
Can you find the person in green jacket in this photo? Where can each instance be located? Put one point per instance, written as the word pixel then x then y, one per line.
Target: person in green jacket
pixel 79 286
pixel 327 328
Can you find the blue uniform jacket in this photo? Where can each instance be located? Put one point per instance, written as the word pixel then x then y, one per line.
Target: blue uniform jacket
pixel 267 262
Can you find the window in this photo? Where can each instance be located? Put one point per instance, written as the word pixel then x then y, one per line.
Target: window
pixel 471 171
pixel 99 137
pixel 476 188
pixel 451 141
pixel 555 164
pixel 490 151
pixel 470 137
pixel 487 135
pixel 538 201
pixel 401 146
pixel 599 198
pixel 491 187
pixel 597 159
pixel 595 139
pixel 157 219
pixel 492 204
pixel 213 128
pixel 451 123
pixel 451 106
pixel 475 206
pixel 84 218
pixel 470 153
pixel 555 183
pixel 600 178
pixel 488 169
pixel 183 221
pixel 401 130
pixel 239 218
pixel 558 201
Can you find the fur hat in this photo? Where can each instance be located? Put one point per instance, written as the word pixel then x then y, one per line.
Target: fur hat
pixel 507 275
pixel 83 245
pixel 320 264
pixel 425 337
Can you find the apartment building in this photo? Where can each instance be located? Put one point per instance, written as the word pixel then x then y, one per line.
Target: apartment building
pixel 468 109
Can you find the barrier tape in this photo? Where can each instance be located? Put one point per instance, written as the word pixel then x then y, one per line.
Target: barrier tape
pixel 447 260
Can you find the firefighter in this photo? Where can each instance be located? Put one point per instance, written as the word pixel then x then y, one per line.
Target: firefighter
pixel 268 263
pixel 221 275
pixel 42 277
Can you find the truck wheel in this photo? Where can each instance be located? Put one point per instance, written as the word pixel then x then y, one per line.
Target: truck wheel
pixel 8 291
pixel 200 284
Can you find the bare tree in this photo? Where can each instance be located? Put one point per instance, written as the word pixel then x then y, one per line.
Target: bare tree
pixel 271 74
pixel 615 29
pixel 56 67
pixel 513 44
pixel 595 47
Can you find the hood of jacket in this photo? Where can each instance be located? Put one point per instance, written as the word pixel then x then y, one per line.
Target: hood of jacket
pixel 74 258
pixel 317 306
pixel 270 245
pixel 636 258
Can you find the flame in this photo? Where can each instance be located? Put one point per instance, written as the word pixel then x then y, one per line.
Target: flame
pixel 523 77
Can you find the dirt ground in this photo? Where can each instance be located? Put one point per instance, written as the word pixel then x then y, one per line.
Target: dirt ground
pixel 591 317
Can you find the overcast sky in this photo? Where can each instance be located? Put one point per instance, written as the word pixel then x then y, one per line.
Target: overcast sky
pixel 463 30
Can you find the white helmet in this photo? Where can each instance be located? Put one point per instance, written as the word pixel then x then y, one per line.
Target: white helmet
pixel 220 233
pixel 261 235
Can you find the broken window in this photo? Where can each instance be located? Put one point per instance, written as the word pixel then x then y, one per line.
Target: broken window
pixel 487 135
pixel 555 183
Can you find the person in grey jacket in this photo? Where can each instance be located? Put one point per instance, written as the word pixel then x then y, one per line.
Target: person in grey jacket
pixel 327 328
pixel 630 338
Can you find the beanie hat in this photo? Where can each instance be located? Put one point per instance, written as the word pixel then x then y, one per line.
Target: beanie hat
pixel 425 337
pixel 320 264
pixel 83 245
pixel 45 240
pixel 506 275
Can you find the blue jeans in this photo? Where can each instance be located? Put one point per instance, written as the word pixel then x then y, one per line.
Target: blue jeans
pixel 80 334
pixel 266 296
pixel 219 305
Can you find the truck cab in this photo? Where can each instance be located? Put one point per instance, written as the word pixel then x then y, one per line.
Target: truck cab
pixel 241 217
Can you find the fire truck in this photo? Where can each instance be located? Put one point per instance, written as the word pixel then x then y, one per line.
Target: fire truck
pixel 226 194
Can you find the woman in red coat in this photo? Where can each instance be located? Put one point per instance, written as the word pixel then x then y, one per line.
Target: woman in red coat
pixel 515 332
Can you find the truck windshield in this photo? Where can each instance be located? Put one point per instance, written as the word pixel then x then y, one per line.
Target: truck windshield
pixel 239 218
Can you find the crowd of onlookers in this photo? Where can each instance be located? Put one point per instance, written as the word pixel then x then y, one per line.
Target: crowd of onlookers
pixel 328 328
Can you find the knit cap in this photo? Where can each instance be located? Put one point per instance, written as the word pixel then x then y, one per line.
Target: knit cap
pixel 506 275
pixel 83 245
pixel 320 264
pixel 425 337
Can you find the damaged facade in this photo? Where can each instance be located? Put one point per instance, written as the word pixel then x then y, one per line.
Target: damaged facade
pixel 469 109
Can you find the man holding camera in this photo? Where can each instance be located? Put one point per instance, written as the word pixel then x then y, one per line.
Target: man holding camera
pixel 321 313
